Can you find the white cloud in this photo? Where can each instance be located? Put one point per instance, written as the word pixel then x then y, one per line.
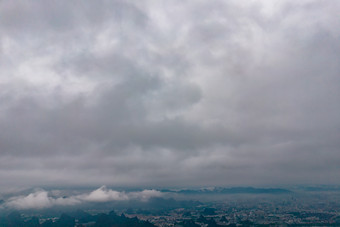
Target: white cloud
pixel 42 199
pixel 39 200
pixel 145 194
pixel 103 194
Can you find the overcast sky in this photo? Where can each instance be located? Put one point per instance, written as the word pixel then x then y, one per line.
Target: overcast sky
pixel 169 93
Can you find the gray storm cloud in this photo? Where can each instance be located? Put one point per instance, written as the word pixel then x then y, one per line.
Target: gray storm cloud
pixel 168 93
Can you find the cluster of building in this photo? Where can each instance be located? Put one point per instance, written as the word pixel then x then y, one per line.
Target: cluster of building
pixel 289 211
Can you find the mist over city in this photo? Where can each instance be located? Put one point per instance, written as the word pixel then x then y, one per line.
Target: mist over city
pixel 169 113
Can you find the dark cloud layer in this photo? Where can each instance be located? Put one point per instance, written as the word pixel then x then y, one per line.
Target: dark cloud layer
pixel 169 93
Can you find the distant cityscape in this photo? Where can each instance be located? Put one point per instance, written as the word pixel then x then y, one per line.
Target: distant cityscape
pixel 243 206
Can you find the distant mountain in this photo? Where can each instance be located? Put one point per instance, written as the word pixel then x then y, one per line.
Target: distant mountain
pixel 320 188
pixel 234 190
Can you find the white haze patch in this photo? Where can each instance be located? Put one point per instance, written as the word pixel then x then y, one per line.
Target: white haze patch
pixel 43 199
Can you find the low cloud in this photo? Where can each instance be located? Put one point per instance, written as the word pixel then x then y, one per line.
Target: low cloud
pixel 43 199
pixel 146 194
pixel 103 194
pixel 39 200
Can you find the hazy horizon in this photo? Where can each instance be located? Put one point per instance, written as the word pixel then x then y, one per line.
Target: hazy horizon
pixel 148 94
